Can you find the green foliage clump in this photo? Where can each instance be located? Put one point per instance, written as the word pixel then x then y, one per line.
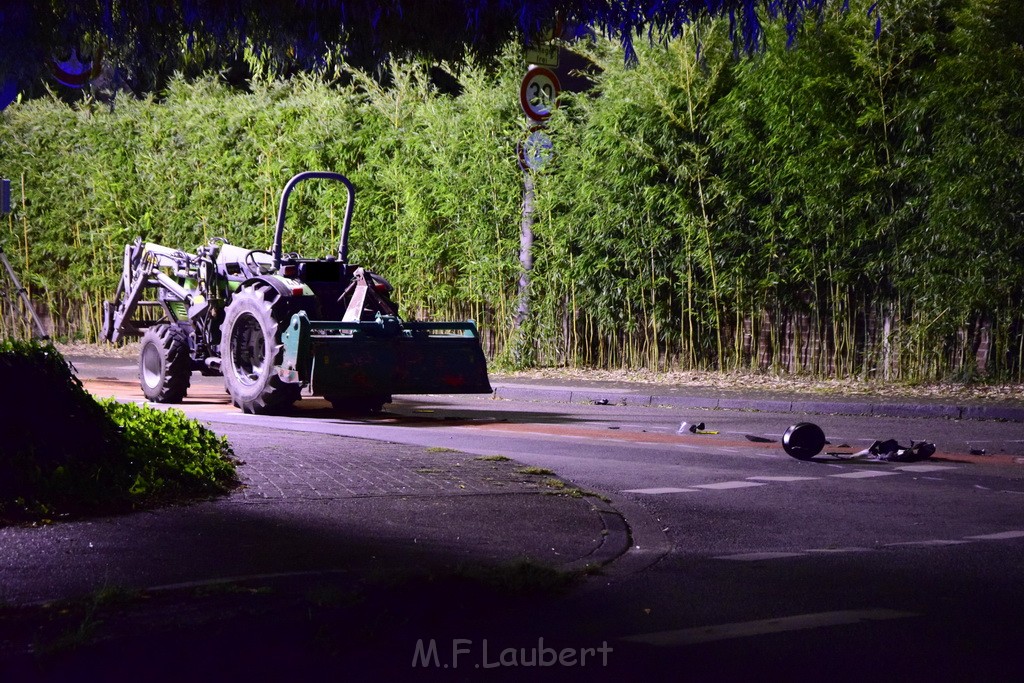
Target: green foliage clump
pixel 58 446
pixel 64 452
pixel 173 455
pixel 849 207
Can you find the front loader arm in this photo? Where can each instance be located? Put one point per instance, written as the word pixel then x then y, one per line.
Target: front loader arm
pixel 141 271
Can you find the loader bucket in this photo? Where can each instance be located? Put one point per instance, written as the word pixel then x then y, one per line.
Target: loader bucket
pixel 385 357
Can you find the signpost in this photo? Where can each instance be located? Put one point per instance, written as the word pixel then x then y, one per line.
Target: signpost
pixel 536 150
pixel 538 96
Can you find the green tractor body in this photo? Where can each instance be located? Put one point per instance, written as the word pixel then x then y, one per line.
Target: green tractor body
pixel 280 326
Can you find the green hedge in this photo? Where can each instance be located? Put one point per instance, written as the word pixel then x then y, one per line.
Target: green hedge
pixel 64 452
pixel 852 206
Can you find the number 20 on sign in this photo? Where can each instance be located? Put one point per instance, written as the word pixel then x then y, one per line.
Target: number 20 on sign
pixel 538 94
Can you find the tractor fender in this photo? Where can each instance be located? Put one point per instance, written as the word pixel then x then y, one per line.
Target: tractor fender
pixel 285 287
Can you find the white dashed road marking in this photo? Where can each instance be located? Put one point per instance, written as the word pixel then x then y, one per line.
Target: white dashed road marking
pixel 799 622
pixel 724 485
pixel 929 543
pixel 750 482
pixel 925 468
pixel 1002 536
pixel 755 557
pixel 863 474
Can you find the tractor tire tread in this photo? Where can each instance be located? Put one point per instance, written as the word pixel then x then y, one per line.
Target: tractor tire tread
pixel 171 342
pixel 271 395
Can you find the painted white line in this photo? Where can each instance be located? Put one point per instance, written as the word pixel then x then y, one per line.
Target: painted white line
pixel 853 549
pixel 658 491
pixel 783 478
pixel 929 543
pixel 800 622
pixel 756 557
pixel 926 468
pixel 1001 536
pixel 863 474
pixel 724 485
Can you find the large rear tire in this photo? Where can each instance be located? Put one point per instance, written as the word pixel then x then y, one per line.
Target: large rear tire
pixel 250 348
pixel 165 368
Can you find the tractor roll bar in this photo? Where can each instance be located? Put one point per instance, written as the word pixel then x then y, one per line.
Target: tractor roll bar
pixel 308 175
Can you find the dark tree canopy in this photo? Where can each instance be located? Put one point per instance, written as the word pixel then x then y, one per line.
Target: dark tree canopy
pixel 153 35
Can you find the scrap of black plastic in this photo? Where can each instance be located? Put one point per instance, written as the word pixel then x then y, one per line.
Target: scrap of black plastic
pixel 692 428
pixel 892 451
pixel 804 440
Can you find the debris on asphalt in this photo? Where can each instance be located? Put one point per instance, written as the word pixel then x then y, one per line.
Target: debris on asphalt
pixel 600 402
pixel 758 439
pixel 891 451
pixel 977 451
pixel 804 440
pixel 693 429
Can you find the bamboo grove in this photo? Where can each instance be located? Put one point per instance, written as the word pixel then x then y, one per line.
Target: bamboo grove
pixel 851 205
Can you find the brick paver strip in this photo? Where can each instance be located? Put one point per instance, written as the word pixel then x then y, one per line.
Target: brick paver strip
pixel 281 465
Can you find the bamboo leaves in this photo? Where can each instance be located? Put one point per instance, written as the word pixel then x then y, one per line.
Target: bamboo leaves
pixel 852 206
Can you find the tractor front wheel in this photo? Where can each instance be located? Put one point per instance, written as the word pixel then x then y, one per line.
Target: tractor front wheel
pixel 165 368
pixel 250 347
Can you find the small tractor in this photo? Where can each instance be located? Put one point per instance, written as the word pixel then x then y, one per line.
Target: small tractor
pixel 278 326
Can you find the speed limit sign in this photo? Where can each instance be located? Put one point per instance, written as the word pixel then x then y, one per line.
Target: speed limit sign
pixel 539 92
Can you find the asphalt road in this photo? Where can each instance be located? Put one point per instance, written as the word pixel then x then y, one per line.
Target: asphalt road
pixel 743 560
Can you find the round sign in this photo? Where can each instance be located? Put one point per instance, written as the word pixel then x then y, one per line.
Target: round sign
pixel 539 93
pixel 75 73
pixel 535 151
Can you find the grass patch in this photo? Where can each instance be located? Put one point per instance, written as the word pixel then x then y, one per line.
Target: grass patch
pixel 442 449
pixel 84 618
pixel 561 488
pixel 534 471
pixel 520 577
pixel 493 458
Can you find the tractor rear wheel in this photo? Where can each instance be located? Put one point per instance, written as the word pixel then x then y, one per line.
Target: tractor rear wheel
pixel 165 367
pixel 250 348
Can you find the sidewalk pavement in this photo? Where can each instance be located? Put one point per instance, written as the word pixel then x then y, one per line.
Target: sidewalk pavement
pixel 313 504
pixel 336 554
pixel 675 396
